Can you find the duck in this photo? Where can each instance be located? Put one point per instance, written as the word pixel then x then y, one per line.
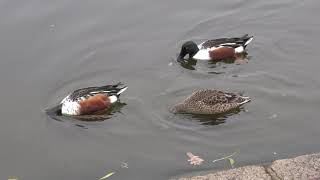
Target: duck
pixel 215 49
pixel 210 102
pixel 90 100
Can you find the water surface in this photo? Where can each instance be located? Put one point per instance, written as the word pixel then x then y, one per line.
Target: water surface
pixel 49 48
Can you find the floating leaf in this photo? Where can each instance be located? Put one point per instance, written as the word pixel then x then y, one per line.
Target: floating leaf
pixel 231 161
pixel 106 176
pixel 226 157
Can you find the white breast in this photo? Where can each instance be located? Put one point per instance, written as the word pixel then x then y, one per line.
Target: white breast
pixel 70 107
pixel 202 54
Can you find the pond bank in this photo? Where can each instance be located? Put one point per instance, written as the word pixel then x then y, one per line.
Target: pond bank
pixel 301 167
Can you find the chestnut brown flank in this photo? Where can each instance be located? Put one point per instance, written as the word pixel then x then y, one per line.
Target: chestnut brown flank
pixel 222 53
pixel 95 103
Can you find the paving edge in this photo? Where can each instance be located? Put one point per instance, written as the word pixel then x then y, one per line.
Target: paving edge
pixel 247 171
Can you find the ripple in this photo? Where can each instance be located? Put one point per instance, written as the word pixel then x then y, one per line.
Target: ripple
pixel 206 120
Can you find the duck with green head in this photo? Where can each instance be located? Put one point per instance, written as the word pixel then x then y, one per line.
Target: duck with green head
pixel 215 49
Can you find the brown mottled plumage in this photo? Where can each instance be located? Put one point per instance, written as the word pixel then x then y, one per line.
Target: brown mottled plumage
pixel 210 102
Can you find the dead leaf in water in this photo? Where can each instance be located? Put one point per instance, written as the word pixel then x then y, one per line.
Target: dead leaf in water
pixel 194 160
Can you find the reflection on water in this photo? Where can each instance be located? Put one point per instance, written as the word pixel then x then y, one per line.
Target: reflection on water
pixel 191 63
pixel 211 120
pixel 55 113
pixel 50 48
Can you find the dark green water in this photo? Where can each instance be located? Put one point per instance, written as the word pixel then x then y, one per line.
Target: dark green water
pixel 49 48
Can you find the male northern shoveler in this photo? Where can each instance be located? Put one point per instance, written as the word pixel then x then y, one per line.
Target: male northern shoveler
pixel 215 49
pixel 90 100
pixel 210 102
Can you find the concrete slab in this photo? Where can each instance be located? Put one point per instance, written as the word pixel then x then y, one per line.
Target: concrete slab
pixel 302 167
pixel 306 167
pixel 242 173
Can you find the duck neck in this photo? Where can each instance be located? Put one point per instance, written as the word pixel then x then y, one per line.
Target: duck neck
pixel 193 51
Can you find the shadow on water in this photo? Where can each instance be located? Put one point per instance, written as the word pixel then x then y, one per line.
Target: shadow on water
pixel 212 120
pixel 193 64
pixel 55 113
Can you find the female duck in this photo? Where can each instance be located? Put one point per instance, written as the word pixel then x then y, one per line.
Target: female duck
pixel 90 100
pixel 216 49
pixel 210 102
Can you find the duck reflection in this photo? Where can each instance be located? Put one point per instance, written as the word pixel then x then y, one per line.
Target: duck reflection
pixel 212 120
pixel 191 64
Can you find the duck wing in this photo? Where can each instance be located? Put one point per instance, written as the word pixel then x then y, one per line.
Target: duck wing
pixel 198 95
pixel 208 96
pixel 227 42
pixel 220 102
pixel 219 97
pixel 85 93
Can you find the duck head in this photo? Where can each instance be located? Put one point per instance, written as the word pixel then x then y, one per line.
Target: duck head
pixel 188 47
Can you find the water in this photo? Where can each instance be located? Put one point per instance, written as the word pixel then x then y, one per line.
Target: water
pixel 49 48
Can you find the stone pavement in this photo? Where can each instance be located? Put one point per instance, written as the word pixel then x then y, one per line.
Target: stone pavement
pixel 306 167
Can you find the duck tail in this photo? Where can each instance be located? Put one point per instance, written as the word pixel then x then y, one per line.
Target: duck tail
pixel 115 89
pixel 244 100
pixel 246 39
pixel 121 90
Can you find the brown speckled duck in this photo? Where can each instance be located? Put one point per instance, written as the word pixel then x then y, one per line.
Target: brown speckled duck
pixel 210 102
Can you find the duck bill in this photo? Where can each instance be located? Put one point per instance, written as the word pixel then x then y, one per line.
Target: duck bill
pixel 180 59
pixel 181 56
